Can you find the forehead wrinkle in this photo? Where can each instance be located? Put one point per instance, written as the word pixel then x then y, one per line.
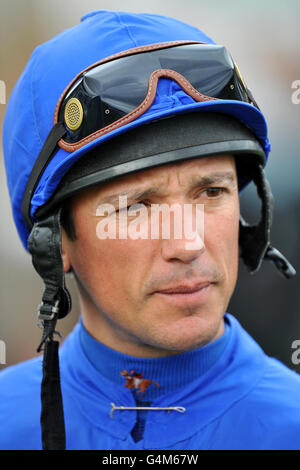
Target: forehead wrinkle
pixel 216 177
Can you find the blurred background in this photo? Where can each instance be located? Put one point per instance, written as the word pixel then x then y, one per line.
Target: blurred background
pixel 264 39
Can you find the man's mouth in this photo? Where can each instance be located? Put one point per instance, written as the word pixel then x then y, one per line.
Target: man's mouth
pixel 186 293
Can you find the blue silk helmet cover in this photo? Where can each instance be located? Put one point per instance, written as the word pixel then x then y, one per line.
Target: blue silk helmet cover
pixel 52 66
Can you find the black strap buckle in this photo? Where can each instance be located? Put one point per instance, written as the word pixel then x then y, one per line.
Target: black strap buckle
pixel 48 311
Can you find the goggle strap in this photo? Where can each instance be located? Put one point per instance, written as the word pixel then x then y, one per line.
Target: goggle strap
pixel 251 98
pixel 49 148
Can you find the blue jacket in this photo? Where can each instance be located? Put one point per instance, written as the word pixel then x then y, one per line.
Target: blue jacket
pixel 243 399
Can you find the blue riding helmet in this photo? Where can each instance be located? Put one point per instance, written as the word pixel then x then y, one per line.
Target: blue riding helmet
pixel 54 64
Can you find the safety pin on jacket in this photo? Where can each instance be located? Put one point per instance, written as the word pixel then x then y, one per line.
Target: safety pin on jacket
pixel 180 409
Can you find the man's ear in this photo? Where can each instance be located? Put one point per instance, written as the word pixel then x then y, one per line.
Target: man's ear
pixel 65 248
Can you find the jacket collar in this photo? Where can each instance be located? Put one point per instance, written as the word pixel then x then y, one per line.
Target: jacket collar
pixel 232 375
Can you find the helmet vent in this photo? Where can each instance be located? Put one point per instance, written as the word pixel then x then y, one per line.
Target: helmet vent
pixel 73 114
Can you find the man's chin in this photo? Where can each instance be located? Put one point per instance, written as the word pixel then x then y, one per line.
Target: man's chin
pixel 187 333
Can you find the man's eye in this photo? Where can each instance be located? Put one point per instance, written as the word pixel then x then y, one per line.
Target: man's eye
pixel 122 209
pixel 133 206
pixel 214 192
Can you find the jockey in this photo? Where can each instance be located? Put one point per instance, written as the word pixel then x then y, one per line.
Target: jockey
pixel 113 120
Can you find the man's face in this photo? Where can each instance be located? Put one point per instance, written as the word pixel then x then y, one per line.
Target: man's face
pixel 121 281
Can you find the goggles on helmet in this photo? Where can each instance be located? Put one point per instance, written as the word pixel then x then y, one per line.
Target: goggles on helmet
pixel 114 92
pixel 117 90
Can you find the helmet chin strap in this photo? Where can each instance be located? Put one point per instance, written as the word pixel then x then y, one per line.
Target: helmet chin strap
pixel 44 244
pixel 254 240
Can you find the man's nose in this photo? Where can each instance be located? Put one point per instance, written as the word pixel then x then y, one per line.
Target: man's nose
pixel 185 243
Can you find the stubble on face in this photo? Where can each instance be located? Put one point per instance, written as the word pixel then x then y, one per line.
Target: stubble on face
pixel 119 280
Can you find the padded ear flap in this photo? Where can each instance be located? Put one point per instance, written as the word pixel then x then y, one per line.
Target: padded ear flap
pixel 44 244
pixel 254 240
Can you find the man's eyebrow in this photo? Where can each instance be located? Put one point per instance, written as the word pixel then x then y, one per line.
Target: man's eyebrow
pixel 131 195
pixel 214 178
pixel 196 181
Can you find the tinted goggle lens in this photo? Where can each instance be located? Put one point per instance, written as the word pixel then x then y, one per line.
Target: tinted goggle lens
pixel 106 93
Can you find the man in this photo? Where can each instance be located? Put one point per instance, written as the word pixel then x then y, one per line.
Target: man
pixel 148 113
